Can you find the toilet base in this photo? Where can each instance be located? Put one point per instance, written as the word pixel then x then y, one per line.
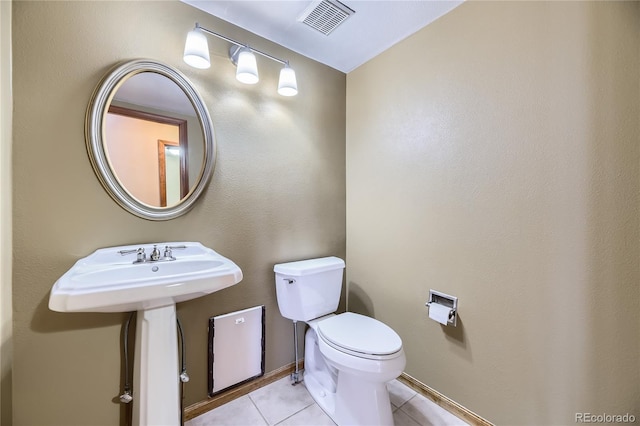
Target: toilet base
pixel 325 399
pixel 354 403
pixel 362 403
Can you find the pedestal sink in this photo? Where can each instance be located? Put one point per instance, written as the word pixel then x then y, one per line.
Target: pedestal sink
pixel 123 279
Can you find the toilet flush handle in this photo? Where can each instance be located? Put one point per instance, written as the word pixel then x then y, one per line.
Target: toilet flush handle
pixel 289 280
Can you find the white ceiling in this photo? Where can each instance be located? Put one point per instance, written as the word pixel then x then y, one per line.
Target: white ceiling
pixel 376 26
pixel 153 90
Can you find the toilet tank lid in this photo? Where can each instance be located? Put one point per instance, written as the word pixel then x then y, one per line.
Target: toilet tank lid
pixel 309 266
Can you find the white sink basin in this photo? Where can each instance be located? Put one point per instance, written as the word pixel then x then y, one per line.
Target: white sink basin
pixel 107 281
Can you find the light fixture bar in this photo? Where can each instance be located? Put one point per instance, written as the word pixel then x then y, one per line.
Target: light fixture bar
pixel 196 54
pixel 237 43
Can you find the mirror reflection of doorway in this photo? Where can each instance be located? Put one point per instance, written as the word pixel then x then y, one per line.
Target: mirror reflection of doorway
pixel 158 174
pixel 172 172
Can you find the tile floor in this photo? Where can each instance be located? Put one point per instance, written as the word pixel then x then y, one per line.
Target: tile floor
pixel 282 404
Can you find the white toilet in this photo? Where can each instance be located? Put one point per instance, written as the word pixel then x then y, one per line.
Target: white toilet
pixel 348 357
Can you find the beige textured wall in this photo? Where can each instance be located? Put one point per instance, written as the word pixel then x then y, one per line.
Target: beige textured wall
pixel 277 194
pixel 495 156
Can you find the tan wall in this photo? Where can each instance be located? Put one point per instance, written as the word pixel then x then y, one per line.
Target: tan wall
pixel 277 194
pixel 495 156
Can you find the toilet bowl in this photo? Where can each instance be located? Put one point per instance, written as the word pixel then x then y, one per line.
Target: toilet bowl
pixel 364 354
pixel 349 358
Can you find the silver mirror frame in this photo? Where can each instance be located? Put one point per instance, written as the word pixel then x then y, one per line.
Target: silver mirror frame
pixel 94 138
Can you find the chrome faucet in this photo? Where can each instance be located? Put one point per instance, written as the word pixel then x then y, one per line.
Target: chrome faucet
pixel 155 256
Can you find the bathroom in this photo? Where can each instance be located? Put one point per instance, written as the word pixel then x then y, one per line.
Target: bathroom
pixel 494 155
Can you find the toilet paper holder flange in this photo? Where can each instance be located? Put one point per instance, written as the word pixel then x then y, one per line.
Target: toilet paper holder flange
pixel 445 300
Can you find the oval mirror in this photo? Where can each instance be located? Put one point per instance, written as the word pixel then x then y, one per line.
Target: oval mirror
pixel 150 139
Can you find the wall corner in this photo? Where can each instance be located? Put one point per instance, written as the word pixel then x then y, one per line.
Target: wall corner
pixel 6 309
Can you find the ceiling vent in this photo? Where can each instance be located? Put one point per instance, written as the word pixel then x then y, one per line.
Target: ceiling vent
pixel 325 15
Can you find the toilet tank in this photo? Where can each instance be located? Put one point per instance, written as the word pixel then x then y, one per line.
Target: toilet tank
pixel 309 289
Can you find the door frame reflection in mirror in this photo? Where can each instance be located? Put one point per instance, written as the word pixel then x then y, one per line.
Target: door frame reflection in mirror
pixel 183 188
pixel 99 105
pixel 182 143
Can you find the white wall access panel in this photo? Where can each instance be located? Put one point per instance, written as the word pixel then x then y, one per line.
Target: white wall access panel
pixel 236 348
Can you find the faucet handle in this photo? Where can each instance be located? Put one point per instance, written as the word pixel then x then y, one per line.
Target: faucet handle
pixel 140 256
pixel 168 254
pixel 126 252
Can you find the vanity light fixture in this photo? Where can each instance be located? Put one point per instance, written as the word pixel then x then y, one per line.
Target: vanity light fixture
pixel 246 66
pixel 196 50
pixel 196 54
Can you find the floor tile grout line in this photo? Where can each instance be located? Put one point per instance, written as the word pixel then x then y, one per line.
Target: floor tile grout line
pixel 275 424
pixel 419 396
pixel 414 420
pixel 405 402
pixel 410 416
pixel 266 422
pixel 325 413
pixel 302 409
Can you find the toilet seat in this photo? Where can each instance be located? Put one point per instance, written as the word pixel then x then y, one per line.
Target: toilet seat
pixel 360 336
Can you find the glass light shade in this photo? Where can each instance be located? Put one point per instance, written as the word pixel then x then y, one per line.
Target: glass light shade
pixel 287 85
pixel 196 50
pixel 247 71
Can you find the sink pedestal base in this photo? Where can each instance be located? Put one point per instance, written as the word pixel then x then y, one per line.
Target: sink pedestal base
pixel 155 371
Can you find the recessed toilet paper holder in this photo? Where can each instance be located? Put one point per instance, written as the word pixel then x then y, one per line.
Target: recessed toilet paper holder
pixel 445 300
